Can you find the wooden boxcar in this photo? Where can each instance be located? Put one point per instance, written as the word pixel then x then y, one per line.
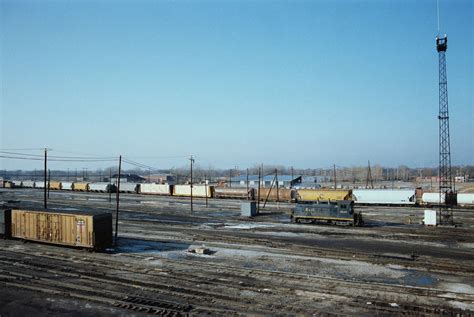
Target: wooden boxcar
pixel 91 230
pixel 323 194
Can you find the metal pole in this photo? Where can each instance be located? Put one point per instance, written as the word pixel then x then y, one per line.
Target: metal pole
pixel 258 194
pixel 49 181
pixel 248 196
pixel 230 178
pixel 191 164
pixel 205 186
pixel 278 190
pixel 45 171
pixel 335 181
pixel 110 182
pixel 118 199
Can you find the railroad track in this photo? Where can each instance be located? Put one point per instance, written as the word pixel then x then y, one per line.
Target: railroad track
pixel 215 276
pixel 134 228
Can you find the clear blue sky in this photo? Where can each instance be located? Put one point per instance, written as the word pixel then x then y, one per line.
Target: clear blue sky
pixel 236 83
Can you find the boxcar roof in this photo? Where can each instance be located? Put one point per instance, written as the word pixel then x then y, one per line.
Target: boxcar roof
pixel 63 211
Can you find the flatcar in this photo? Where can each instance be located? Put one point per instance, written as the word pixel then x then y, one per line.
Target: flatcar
pixel 335 212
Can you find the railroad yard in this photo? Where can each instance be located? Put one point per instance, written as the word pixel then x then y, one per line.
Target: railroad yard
pixel 259 266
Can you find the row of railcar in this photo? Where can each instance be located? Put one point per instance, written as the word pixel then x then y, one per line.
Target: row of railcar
pixel 400 197
pixel 88 230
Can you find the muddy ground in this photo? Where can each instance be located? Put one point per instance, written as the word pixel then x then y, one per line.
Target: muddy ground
pixel 260 266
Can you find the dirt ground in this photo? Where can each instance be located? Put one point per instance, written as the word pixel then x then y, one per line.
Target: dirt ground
pixel 257 266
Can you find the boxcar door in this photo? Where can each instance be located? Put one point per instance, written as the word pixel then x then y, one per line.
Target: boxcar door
pixel 81 231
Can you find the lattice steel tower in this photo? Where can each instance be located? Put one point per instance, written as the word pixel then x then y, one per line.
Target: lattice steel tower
pixel 445 177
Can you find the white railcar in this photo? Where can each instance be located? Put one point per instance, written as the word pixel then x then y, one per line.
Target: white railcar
pixel 433 198
pixel 67 185
pixel 128 187
pixel 466 199
pixel 28 184
pixel 384 196
pixel 198 190
pixel 155 189
pixel 101 187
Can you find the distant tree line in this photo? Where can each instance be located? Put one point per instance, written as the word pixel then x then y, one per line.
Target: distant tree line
pixel 182 174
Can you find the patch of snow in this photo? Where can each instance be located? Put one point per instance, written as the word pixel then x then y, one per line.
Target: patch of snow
pixel 250 226
pixel 458 288
pixel 461 305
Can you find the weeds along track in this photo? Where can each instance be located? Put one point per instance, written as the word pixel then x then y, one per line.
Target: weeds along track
pixel 181 289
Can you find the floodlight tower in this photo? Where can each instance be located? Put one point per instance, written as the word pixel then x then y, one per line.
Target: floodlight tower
pixel 445 177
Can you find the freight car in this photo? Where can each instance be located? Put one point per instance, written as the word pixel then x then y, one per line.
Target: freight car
pixel 128 187
pixel 198 191
pixel 335 212
pixel 272 194
pixel 155 189
pixel 55 185
pixel 80 186
pixel 90 230
pixel 5 223
pixel 28 184
pixel 323 194
pixel 465 199
pixel 384 197
pixel 434 199
pixel 102 187
pixel 39 184
pixel 67 186
pixel 234 193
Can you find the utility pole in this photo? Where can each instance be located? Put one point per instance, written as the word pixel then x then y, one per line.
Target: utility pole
pixel 258 193
pixel 49 181
pixel 278 191
pixel 248 196
pixel 118 199
pixel 335 181
pixel 445 176
pixel 230 178
pixel 45 171
pixel 191 160
pixel 205 187
pixel 110 182
pixel 369 177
